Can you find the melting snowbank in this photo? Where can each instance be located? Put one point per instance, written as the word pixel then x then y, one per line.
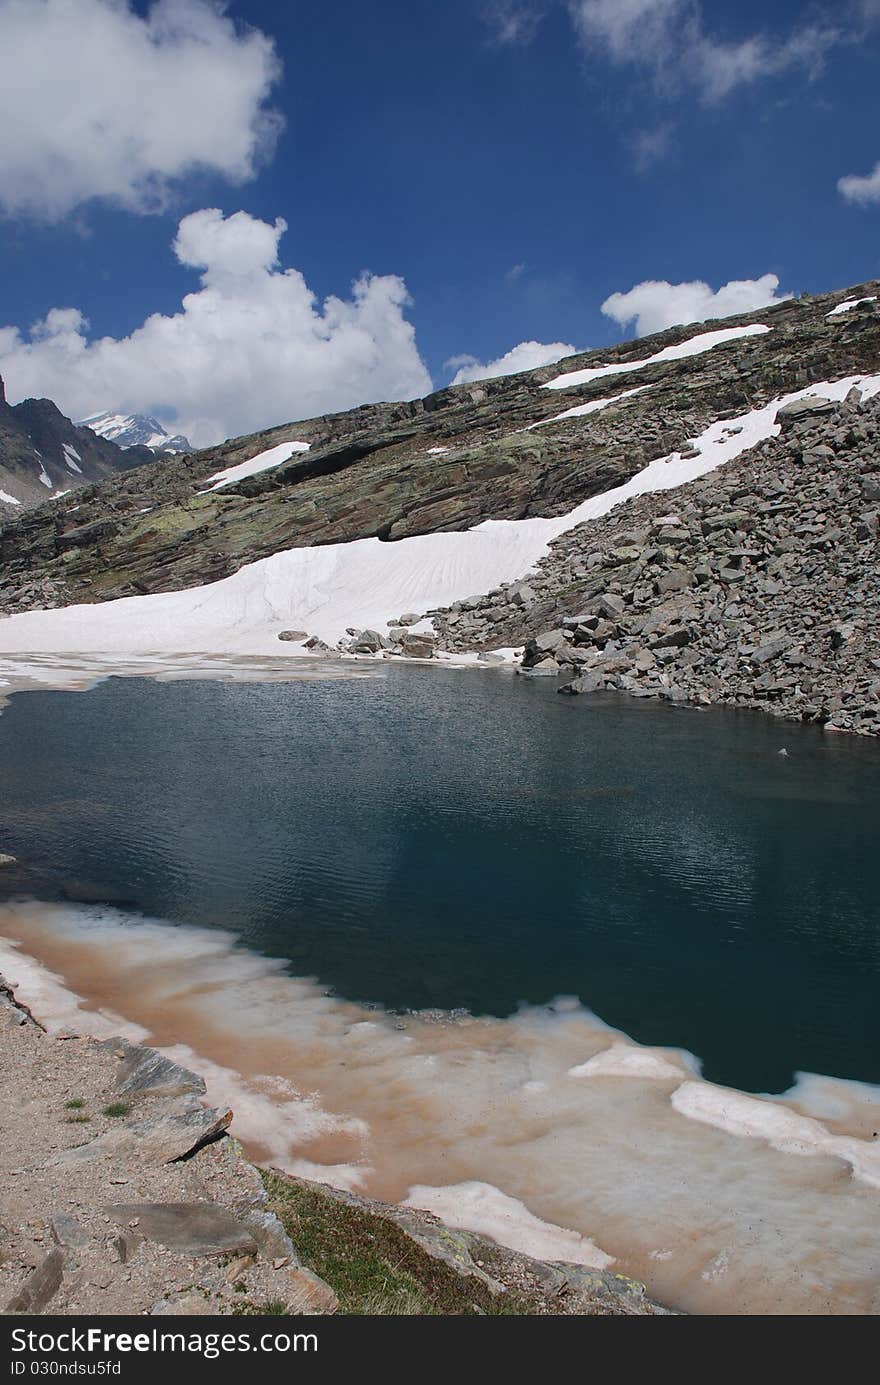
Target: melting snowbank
pixel 367 583
pixel 548 1130
pixel 694 346
pixel 263 461
pixel 484 1209
pixel 581 410
pixel 850 303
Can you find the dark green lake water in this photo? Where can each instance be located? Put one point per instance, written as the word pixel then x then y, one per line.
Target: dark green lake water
pixel 432 838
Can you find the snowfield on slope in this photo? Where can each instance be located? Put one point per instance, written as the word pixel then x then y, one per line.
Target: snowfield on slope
pixel 263 461
pixel 367 583
pixel 595 406
pixel 848 305
pixel 71 457
pixel 694 346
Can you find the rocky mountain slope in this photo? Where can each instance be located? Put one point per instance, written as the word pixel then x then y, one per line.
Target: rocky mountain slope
pixel 462 455
pixel 43 454
pixel 136 430
pixel 756 584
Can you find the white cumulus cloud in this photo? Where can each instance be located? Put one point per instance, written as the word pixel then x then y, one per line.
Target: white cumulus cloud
pixel 250 348
pixel 656 304
pixel 528 355
pixel 97 101
pixel 861 189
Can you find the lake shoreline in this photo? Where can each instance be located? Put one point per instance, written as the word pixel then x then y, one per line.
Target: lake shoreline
pixel 69 673
pixel 629 1070
pixel 135 1233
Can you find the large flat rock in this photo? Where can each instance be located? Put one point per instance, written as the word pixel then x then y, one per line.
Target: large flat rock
pixel 192 1228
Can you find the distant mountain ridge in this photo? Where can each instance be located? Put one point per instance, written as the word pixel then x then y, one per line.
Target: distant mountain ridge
pixel 136 430
pixel 43 454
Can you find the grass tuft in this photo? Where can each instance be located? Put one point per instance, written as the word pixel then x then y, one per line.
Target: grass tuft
pixel 117 1108
pixel 272 1308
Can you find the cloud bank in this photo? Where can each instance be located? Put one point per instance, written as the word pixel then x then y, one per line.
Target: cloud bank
pixel 250 348
pixel 656 304
pixel 528 355
pixel 99 102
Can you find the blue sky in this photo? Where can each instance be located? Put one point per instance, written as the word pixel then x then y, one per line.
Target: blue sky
pixel 514 163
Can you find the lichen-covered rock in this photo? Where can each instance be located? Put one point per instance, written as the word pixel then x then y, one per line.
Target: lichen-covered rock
pixel 193 1228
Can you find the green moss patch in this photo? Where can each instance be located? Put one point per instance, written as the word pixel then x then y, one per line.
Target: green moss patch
pixel 370 1262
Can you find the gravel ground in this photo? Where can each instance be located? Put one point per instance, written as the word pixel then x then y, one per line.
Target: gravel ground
pixel 109 1265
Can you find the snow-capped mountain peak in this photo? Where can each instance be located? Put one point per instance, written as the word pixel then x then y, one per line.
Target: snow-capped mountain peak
pixel 136 430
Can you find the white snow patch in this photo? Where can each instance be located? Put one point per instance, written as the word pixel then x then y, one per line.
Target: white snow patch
pixel 593 407
pixel 694 346
pixel 786 1130
pixel 328 588
pixel 9 499
pixel 45 478
pixel 487 1211
pixel 437 451
pixel 629 1060
pixel 262 462
pixel 72 457
pixel 835 1098
pixel 850 303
